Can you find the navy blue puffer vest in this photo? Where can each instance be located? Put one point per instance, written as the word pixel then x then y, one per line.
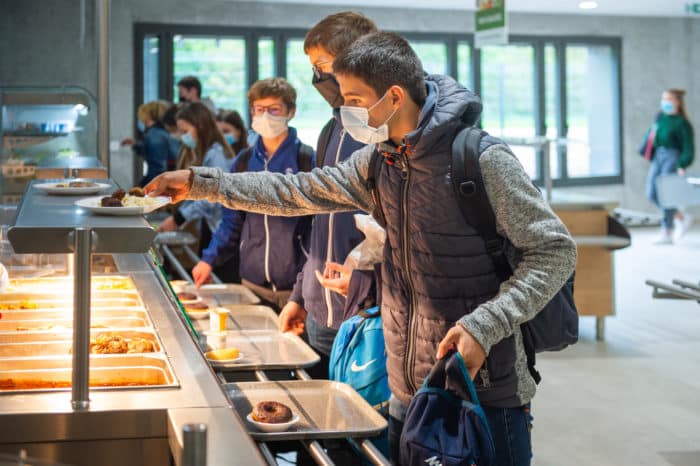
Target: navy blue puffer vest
pixel 436 268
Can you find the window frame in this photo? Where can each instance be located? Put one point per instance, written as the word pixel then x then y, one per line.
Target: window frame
pixel 166 33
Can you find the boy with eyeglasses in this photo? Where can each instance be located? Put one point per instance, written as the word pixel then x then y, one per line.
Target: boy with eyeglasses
pixel 272 248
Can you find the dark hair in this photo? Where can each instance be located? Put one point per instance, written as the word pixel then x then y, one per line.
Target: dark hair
pixel 273 87
pixel 234 119
pixel 679 95
pixel 337 32
pixel 199 116
pixel 382 60
pixel 188 82
pixel 169 119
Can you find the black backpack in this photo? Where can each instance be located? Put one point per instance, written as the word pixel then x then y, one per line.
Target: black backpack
pixel 556 326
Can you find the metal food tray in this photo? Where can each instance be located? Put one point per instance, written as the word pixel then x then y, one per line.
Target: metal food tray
pixel 109 372
pixel 326 409
pixel 244 317
pixel 27 344
pixel 55 324
pixel 44 301
pixel 62 313
pixel 99 283
pixel 222 294
pixel 252 317
pixel 263 349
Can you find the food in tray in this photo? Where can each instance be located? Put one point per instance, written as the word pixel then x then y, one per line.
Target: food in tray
pixel 186 296
pixel 223 354
pixel 135 198
pixel 271 412
pixel 11 384
pixel 115 284
pixel 105 343
pixel 14 306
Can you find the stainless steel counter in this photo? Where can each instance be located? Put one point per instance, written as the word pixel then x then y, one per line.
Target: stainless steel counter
pixel 133 418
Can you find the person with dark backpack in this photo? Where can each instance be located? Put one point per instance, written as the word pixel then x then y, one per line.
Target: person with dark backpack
pixel 272 248
pixel 441 287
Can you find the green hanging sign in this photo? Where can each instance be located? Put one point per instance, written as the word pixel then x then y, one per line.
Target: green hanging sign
pixel 491 26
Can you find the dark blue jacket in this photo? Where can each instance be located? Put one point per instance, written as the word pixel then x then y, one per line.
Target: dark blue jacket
pixel 155 149
pixel 436 267
pixel 324 306
pixel 272 249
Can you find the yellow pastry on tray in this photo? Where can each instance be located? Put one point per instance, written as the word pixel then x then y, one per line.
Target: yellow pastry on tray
pixel 223 354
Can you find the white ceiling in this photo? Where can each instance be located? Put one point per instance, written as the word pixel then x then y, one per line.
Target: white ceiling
pixel 606 7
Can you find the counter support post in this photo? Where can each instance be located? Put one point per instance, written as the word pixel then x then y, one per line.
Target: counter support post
pixel 82 250
pixel 194 445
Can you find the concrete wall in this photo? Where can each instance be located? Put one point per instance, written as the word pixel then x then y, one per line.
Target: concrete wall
pixel 40 46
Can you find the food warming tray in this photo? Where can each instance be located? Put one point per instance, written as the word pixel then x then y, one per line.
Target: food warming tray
pixel 263 349
pixel 326 409
pixel 63 313
pixel 106 372
pixel 24 344
pixel 97 322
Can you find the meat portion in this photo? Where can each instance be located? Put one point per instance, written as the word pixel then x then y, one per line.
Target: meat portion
pixel 110 202
pixel 136 191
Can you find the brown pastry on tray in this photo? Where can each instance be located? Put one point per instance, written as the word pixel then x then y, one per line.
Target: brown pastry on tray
pixel 272 412
pixel 186 296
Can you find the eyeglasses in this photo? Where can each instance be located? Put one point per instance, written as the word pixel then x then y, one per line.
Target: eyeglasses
pixel 274 109
pixel 316 67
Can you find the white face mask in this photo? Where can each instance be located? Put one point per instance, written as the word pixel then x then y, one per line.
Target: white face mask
pixel 356 122
pixel 269 126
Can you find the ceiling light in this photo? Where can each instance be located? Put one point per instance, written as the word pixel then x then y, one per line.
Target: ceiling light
pixel 588 5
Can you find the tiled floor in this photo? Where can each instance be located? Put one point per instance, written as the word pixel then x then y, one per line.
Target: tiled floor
pixel 635 398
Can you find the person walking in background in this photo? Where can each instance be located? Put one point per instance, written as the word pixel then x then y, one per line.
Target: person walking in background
pixel 231 125
pixel 189 89
pixel 154 146
pixel 669 146
pixel 203 145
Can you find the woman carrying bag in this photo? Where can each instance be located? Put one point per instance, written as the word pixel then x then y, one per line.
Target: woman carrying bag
pixel 670 148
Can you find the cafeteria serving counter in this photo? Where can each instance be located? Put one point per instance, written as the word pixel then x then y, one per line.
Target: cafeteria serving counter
pixel 140 400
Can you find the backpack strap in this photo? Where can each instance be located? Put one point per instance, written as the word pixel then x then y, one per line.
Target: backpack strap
pixel 305 157
pixel 323 140
pixel 376 162
pixel 472 198
pixel 243 159
pixel 475 206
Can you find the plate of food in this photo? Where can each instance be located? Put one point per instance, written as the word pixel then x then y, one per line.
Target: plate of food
pixel 272 416
pixel 196 309
pixel 72 187
pixel 122 203
pixel 224 355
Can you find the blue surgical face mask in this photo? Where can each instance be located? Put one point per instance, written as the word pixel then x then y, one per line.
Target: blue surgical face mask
pixel 141 126
pixel 230 138
pixel 667 106
pixel 189 140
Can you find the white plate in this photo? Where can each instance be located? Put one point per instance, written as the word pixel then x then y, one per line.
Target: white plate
pixel 271 428
pixel 215 362
pixel 196 314
pixel 52 188
pixel 92 204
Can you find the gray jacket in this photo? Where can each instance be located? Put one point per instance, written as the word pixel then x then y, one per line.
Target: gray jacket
pixel 540 248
